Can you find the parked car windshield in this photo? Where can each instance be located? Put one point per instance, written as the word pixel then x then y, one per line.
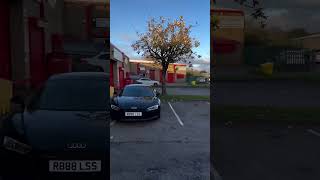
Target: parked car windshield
pixel 137 91
pixel 134 77
pixel 75 94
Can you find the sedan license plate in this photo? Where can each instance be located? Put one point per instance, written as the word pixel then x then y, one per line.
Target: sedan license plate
pixel 133 113
pixel 74 166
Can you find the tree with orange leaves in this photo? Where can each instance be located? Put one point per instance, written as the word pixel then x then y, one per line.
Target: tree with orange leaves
pixel 167 42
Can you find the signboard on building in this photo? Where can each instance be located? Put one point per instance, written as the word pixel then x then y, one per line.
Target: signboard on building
pixel 52 3
pixel 231 22
pixel 170 68
pixel 101 22
pixel 117 54
pixel 181 69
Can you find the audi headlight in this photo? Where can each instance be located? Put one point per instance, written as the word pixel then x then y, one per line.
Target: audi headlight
pixel 15 145
pixel 152 108
pixel 114 107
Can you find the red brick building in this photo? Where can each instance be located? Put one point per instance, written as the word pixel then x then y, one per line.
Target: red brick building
pixel 228 39
pixel 176 72
pixel 119 67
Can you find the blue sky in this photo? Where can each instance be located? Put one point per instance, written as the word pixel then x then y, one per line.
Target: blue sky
pixel 129 16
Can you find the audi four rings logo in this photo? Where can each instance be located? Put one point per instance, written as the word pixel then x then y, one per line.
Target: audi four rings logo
pixel 76 146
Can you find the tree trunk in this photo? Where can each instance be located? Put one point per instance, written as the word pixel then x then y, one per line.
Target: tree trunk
pixel 163 86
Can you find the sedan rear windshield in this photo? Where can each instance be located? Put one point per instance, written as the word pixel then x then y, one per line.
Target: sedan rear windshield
pixel 137 91
pixel 76 94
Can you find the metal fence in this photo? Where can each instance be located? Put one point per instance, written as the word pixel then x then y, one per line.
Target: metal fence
pixel 295 60
pixel 256 55
pixel 284 59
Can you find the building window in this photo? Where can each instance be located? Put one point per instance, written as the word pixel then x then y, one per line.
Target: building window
pixel 100 22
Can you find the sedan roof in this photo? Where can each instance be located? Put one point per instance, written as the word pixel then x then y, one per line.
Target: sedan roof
pixel 132 85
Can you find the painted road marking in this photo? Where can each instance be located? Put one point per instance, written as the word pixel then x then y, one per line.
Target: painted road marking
pixel 112 123
pixel 314 132
pixel 174 112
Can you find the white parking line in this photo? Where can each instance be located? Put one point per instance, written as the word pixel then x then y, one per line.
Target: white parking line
pixel 216 175
pixel 174 112
pixel 314 132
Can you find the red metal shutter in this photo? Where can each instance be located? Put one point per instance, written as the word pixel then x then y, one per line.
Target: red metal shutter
pixel 37 53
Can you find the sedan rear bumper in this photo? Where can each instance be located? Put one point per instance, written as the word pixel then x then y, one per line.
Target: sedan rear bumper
pixel 130 119
pixel 37 165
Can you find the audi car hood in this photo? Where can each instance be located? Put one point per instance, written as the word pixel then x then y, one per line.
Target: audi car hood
pixel 125 102
pixel 53 130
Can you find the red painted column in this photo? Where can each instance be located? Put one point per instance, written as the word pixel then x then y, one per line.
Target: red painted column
pixel 161 78
pixel 111 73
pixel 5 51
pixel 37 53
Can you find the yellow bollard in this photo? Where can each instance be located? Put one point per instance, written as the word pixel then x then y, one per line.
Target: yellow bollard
pixel 111 91
pixel 5 96
pixel 267 68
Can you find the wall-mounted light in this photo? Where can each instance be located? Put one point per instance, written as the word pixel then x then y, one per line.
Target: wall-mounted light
pixel 42 23
pixel 52 3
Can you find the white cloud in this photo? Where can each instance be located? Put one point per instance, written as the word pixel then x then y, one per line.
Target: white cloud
pixel 286 14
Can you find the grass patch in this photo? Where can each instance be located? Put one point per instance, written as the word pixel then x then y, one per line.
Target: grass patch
pixel 189 86
pixel 299 76
pixel 268 114
pixel 184 98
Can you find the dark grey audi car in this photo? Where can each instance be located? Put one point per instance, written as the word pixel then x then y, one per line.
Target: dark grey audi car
pixel 137 102
pixel 63 132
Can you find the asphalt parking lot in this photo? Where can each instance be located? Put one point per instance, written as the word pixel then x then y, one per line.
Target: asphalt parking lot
pixel 177 146
pixel 267 151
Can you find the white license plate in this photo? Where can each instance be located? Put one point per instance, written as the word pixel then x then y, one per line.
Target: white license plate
pixel 74 166
pixel 133 113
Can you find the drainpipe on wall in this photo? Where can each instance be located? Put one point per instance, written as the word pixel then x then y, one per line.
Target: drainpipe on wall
pixel 41 9
pixel 89 21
